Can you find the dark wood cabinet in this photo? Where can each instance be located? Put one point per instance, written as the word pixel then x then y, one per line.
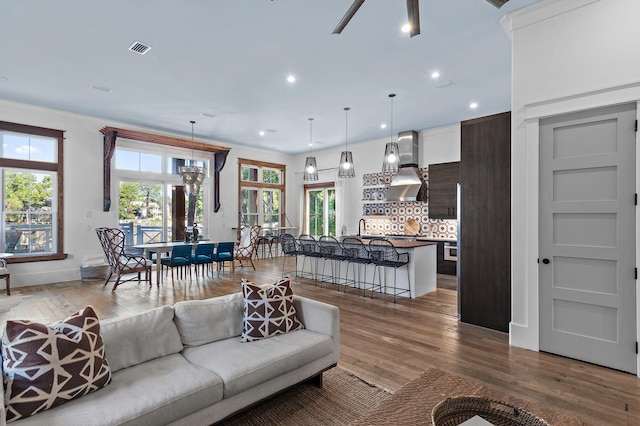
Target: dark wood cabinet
pixel 484 249
pixel 443 180
pixel 447 267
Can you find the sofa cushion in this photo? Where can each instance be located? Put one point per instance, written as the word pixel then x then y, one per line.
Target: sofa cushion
pixel 45 366
pixel 155 392
pixel 141 337
pixel 243 366
pixel 268 310
pixel 205 321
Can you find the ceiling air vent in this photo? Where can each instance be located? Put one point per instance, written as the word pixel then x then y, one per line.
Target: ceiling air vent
pixel 139 48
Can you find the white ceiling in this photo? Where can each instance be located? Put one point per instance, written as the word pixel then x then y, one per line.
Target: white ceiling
pixel 231 59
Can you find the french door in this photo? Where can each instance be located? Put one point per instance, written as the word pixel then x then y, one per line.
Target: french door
pixel 320 209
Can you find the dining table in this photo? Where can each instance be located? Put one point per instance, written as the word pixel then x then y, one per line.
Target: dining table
pixel 165 247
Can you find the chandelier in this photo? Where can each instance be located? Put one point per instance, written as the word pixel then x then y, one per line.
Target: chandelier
pixel 192 175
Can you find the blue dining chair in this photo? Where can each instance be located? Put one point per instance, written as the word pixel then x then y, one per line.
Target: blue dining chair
pixel 180 258
pixel 224 253
pixel 203 256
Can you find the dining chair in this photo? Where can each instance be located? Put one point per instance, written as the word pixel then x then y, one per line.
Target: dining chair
pixel 247 245
pixel 224 253
pixel 180 258
pixel 121 263
pixel 202 256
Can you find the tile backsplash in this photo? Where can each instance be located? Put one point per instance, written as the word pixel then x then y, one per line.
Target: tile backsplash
pixel 389 217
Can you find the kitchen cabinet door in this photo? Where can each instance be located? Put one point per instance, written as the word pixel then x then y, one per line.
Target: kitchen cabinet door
pixel 443 180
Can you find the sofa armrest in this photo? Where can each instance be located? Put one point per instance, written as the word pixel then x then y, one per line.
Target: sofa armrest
pixel 3 412
pixel 321 318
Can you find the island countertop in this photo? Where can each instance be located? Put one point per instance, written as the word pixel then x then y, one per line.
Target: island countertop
pixel 402 243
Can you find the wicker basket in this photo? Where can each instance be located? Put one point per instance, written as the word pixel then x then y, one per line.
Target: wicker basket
pixel 456 410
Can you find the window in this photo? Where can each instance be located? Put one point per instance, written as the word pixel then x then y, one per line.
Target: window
pixel 32 192
pixel 320 209
pixel 152 205
pixel 261 200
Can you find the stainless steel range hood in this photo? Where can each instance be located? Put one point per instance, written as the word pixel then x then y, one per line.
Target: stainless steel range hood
pixel 407 184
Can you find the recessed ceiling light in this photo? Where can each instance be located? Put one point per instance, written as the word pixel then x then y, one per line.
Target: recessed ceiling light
pixel 435 74
pixel 102 88
pixel 406 28
pixel 473 105
pixel 291 79
pixel 383 126
pixel 261 133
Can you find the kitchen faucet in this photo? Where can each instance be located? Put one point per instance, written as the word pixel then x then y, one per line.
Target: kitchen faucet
pixel 363 222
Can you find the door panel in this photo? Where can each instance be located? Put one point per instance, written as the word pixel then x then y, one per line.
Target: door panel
pixel 587 231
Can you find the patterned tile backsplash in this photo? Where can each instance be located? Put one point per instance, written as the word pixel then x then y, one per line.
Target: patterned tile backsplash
pixel 393 215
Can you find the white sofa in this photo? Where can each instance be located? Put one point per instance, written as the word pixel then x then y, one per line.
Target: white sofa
pixel 186 365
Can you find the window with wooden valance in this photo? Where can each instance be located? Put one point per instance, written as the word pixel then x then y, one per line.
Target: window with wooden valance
pixel 112 133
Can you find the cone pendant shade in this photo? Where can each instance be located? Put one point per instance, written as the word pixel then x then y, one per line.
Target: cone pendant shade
pixel 346 168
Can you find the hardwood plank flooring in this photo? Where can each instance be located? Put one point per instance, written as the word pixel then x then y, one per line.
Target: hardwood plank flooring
pixel 382 342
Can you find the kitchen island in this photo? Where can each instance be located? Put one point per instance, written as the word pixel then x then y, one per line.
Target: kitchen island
pixel 419 275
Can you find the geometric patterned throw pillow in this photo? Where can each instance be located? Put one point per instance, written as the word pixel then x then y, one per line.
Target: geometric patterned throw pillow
pixel 268 310
pixel 46 365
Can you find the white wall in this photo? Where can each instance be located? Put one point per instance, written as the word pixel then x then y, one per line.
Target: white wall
pixel 568 55
pixel 83 189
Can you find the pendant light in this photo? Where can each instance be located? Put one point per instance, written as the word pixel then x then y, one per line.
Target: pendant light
pixel 391 150
pixel 192 175
pixel 346 169
pixel 310 167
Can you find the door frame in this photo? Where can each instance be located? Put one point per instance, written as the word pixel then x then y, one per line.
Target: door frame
pixel 524 328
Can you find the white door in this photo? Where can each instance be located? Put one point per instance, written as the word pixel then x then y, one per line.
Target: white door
pixel 587 236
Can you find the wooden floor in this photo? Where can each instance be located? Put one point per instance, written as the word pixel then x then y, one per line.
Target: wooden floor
pixel 382 342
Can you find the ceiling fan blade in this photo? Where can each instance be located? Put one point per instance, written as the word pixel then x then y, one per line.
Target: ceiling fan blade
pixel 347 16
pixel 414 17
pixel 498 3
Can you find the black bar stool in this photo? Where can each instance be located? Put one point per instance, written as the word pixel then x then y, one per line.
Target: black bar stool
pixel 310 249
pixel 384 255
pixel 356 254
pixel 331 250
pixel 290 247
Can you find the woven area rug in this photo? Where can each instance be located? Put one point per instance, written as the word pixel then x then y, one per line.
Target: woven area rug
pixel 342 399
pixel 412 404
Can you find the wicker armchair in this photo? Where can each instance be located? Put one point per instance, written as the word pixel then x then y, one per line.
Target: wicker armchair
pixel 112 240
pixel 247 245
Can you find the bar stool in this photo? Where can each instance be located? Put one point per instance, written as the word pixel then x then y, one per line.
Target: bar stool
pixel 290 247
pixel 310 249
pixel 384 255
pixel 331 250
pixel 356 254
